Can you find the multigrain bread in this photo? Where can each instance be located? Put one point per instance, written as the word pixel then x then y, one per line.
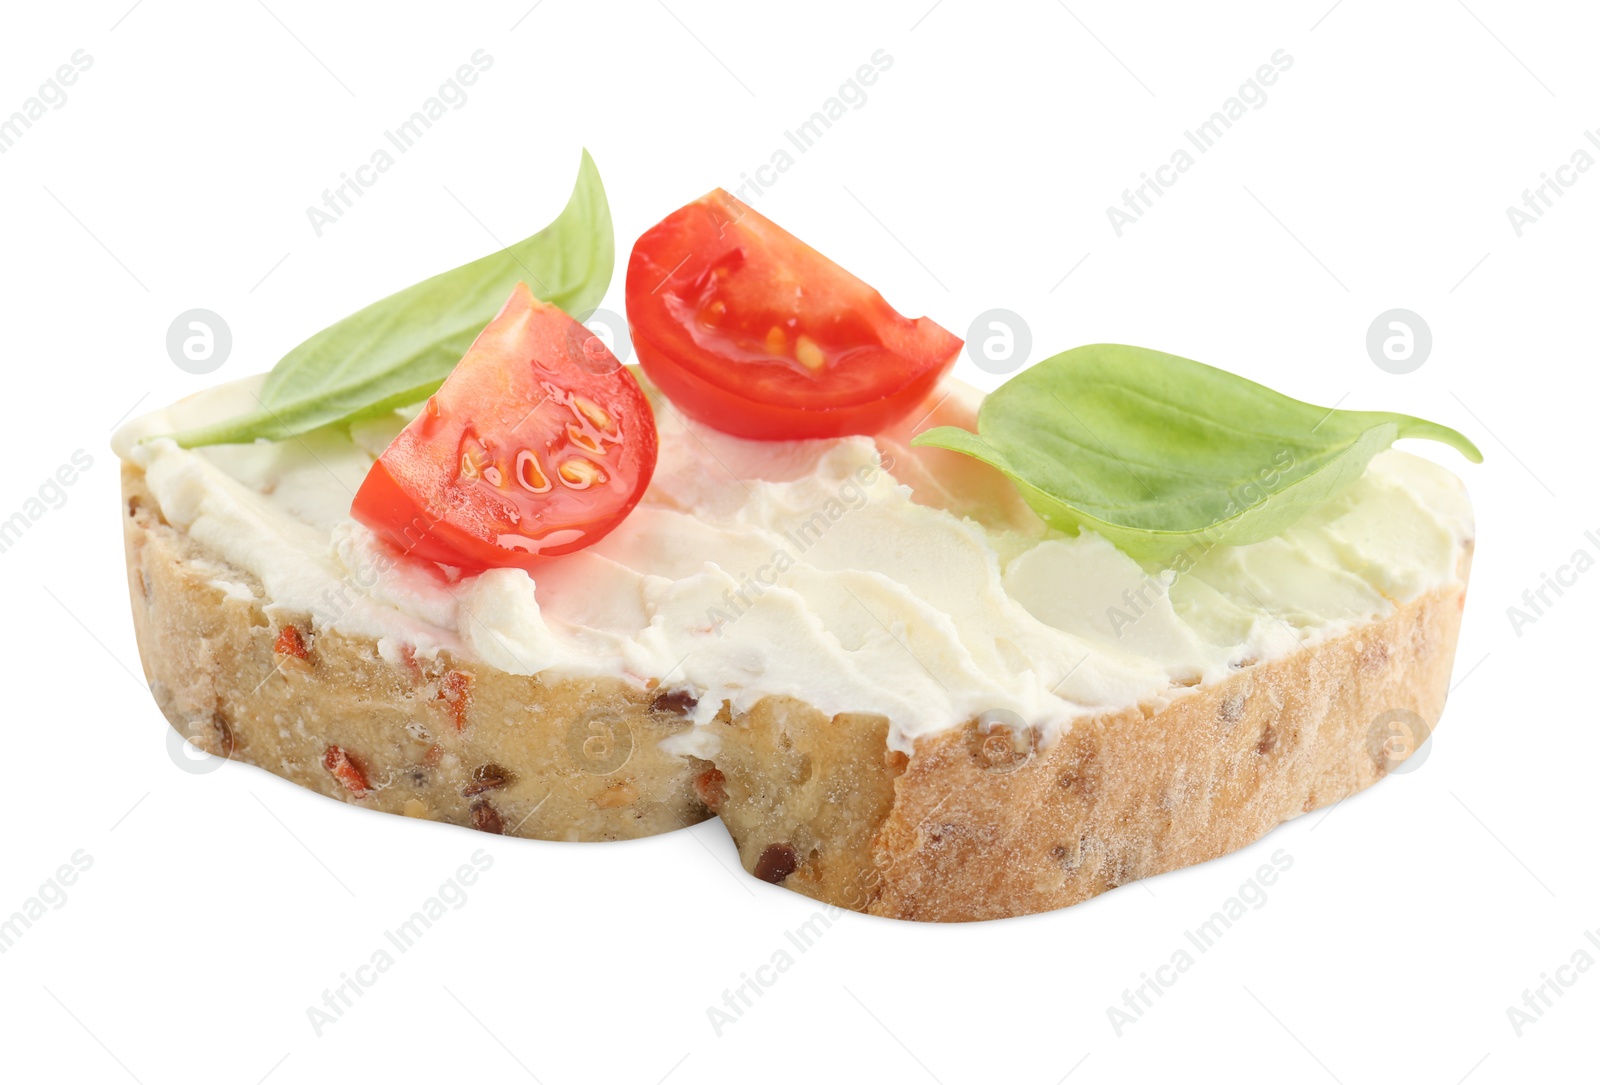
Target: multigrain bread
pixel 979 822
pixel 456 742
pixel 983 823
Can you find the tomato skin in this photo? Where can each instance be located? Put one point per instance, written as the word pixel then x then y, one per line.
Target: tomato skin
pixel 726 410
pixel 537 445
pixel 747 329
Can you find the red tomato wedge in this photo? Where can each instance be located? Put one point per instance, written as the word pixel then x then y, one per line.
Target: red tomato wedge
pixel 748 329
pixel 538 443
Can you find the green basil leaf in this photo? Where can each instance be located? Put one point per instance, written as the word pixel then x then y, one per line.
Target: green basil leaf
pixel 399 350
pixel 1158 453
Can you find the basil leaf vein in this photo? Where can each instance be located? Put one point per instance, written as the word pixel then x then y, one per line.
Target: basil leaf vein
pixel 1158 453
pixel 399 350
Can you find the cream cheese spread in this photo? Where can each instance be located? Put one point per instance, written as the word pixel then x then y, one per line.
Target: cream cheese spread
pixel 855 574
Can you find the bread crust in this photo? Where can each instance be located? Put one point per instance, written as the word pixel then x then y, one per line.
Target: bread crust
pixel 979 822
pixel 444 739
pixel 982 823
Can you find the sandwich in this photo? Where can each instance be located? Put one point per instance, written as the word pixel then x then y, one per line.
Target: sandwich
pixel 926 653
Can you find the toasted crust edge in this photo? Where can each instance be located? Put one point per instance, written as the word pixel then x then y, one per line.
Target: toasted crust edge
pixel 964 828
pixel 986 824
pixel 442 739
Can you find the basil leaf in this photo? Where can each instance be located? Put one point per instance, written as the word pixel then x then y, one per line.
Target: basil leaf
pixel 1158 453
pixel 399 350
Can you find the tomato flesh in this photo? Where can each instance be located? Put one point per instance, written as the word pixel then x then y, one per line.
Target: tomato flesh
pixel 748 329
pixel 537 445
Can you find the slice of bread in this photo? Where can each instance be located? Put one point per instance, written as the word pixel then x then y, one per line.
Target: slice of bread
pixel 981 823
pixel 464 743
pixel 974 823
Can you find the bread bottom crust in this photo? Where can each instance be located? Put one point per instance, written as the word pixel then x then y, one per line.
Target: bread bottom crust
pixel 979 822
pixel 984 823
pixel 576 759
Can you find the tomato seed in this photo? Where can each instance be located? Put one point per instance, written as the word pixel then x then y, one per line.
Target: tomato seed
pixel 810 355
pixel 593 412
pixel 580 474
pixel 528 473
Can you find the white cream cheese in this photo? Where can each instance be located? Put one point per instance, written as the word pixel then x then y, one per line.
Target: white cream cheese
pixel 853 574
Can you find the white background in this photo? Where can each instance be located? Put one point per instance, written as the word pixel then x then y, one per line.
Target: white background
pixel 220 905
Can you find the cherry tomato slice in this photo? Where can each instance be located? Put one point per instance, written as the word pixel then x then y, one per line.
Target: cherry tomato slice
pixel 748 329
pixel 538 444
